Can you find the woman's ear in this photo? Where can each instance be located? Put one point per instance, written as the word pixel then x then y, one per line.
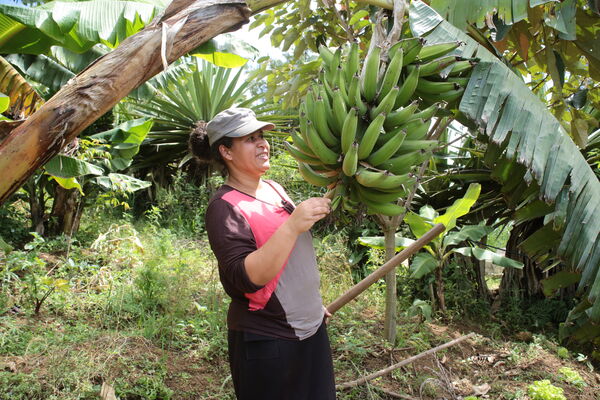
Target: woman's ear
pixel 225 152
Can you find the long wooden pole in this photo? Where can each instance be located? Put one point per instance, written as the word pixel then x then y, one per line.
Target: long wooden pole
pixel 385 268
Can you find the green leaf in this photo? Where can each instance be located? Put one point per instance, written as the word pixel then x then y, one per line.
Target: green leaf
pixel 461 13
pixel 460 207
pixel 562 18
pixel 5 247
pixel 75 25
pixel 68 183
pixel 125 141
pixel 4 102
pixel 121 183
pixel 418 225
pixel 226 51
pixel 472 232
pixel 561 279
pixel 69 167
pixel 360 14
pixel 378 242
pixel 422 264
pixel 487 255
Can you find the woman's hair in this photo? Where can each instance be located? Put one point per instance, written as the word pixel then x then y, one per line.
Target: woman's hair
pixel 203 152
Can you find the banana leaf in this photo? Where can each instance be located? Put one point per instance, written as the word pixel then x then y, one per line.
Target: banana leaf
pixel 422 264
pixel 75 25
pixel 521 126
pixel 487 255
pixel 471 232
pixel 378 242
pixel 122 183
pixel 24 100
pixel 459 208
pixel 69 167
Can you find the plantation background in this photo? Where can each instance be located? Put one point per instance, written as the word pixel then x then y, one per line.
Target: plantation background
pixel 109 287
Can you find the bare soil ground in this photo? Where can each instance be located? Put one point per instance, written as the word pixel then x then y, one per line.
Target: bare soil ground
pixel 478 366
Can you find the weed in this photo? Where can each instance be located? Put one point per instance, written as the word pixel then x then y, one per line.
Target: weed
pixel 544 390
pixel 572 377
pixel 563 352
pixel 19 386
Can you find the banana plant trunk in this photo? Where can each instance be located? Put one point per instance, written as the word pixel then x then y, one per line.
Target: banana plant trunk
pixel 66 212
pixel 182 27
pixel 391 299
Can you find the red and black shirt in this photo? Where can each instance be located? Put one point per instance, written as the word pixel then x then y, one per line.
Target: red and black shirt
pixel 290 305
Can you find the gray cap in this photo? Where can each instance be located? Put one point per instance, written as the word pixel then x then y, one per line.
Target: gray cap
pixel 234 122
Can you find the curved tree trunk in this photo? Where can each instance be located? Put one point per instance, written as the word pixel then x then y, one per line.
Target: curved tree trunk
pixel 183 26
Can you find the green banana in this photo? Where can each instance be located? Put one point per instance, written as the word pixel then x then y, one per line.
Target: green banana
pixel 327 55
pixel 375 195
pixel 313 177
pixel 320 122
pixel 386 105
pixel 392 74
pixel 433 51
pixel 461 66
pixel 404 163
pixel 301 144
pixel 370 73
pixel 435 66
pixel 381 179
pixel 388 149
pixel 356 99
pixel 327 86
pixel 413 145
pixel 319 148
pixel 408 87
pixel 427 86
pixel 339 112
pixel 389 209
pixel 350 163
pixel 370 137
pixel 349 129
pixel 398 117
pixel 352 62
pixel 448 96
pixel 416 129
pixel 302 117
pixel 428 112
pixel 462 81
pixel 300 156
pixel 409 45
pixel 340 82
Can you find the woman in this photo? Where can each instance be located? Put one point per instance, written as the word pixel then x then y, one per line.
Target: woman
pixel 278 345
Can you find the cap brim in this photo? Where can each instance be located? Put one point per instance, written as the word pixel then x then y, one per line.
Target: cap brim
pixel 251 128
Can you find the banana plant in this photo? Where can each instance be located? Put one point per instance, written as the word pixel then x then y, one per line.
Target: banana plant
pixel 436 254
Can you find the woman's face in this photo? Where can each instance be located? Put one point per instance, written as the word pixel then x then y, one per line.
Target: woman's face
pixel 248 154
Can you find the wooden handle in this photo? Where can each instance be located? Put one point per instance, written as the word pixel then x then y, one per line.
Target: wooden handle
pixel 385 268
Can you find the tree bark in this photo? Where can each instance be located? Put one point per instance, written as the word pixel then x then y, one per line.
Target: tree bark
pixel 183 26
pixel 523 283
pixel 65 215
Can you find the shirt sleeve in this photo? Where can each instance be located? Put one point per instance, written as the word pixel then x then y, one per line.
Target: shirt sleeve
pixel 231 240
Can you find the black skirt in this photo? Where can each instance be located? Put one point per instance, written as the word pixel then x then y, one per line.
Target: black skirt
pixel 267 368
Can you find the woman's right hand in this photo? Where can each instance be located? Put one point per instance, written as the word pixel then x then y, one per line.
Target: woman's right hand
pixel 308 212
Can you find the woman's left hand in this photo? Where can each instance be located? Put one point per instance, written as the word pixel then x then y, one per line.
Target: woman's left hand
pixel 327 315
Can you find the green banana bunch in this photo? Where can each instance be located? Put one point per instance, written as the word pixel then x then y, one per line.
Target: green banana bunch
pixel 363 124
